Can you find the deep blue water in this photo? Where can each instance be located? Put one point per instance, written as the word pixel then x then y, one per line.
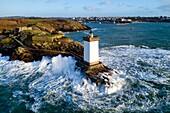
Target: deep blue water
pixel 153 35
pixel 138 53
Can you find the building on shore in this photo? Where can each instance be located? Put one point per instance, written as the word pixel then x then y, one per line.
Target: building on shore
pixel 123 20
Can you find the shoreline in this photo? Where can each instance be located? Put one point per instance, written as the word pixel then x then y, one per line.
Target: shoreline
pixel 26 45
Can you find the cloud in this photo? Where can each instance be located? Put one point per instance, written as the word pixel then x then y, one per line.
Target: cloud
pixel 164 5
pixel 165 8
pixel 67 6
pixel 106 2
pixel 89 8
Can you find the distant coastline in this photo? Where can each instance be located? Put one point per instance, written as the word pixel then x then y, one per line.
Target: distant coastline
pixel 113 19
pixel 99 19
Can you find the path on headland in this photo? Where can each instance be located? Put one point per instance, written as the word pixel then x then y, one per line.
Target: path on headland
pixel 91 71
pixel 50 52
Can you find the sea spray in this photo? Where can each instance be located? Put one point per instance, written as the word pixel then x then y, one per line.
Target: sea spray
pixel 51 80
pixel 146 72
pixel 66 82
pixel 140 81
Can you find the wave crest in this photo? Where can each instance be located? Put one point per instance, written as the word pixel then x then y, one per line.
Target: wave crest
pixel 140 81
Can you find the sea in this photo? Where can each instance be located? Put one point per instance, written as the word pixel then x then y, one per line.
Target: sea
pixel 138 53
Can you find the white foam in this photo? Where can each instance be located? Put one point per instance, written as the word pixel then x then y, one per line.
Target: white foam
pixel 4 57
pixel 58 78
pixel 94 29
pixel 58 74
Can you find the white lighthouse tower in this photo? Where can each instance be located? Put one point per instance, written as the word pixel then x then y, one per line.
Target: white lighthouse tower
pixel 91 49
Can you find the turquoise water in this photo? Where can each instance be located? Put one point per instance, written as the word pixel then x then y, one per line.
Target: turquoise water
pixel 138 53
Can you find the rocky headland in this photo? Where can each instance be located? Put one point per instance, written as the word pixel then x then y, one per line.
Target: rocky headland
pixel 44 34
pixel 29 40
pixel 40 24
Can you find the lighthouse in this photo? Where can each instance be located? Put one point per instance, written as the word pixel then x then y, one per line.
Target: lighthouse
pixel 91 49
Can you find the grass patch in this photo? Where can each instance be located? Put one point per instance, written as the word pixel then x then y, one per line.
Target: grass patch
pixel 7 41
pixel 35 32
pixel 65 39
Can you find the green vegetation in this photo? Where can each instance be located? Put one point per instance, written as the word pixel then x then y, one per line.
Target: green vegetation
pixel 30 25
pixel 65 39
pixel 46 34
pixel 43 38
pixel 35 32
pixel 46 25
pixel 7 41
pixel 53 35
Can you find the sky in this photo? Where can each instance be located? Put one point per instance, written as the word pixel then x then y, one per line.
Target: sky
pixel 84 8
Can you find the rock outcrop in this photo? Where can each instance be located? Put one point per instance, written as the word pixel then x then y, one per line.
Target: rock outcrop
pixel 44 34
pixel 22 54
pixel 45 38
pixel 69 25
pixel 43 25
pixel 7 46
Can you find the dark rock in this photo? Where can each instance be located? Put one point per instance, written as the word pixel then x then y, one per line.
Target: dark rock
pixel 22 54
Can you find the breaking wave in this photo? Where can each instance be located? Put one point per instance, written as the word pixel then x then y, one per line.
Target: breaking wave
pixel 147 75
pixel 52 80
pixel 140 82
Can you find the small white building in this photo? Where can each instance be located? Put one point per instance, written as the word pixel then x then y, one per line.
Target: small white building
pixel 91 49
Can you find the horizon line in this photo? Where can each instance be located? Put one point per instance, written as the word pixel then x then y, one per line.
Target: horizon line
pixel 74 16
